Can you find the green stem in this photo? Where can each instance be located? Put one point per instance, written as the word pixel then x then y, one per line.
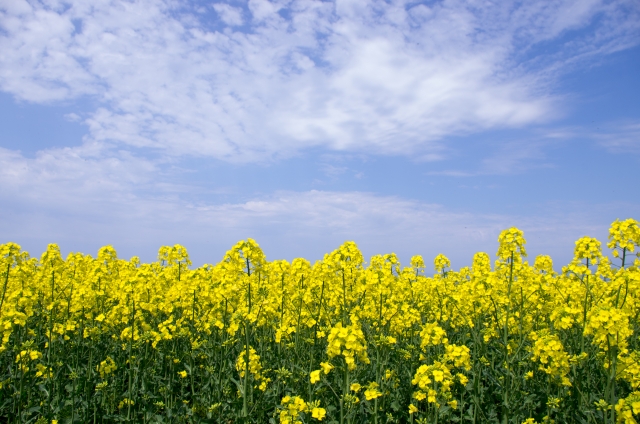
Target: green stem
pixel 130 394
pixel 505 391
pixel 4 289
pixel 246 372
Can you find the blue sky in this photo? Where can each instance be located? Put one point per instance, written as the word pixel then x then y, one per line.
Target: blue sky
pixel 409 127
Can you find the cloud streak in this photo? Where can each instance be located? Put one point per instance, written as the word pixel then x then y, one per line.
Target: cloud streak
pixel 621 138
pixel 72 197
pixel 271 79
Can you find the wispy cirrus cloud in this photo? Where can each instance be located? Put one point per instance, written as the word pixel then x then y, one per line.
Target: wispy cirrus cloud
pixel 263 80
pixel 507 157
pixel 621 137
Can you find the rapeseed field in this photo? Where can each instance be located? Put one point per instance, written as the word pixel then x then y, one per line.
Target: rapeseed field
pixel 509 340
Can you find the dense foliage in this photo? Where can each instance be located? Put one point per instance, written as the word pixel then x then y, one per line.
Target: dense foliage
pixel 107 340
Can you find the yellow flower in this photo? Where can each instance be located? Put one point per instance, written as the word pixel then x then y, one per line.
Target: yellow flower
pixel 318 413
pixel 372 391
pixel 441 263
pixel 348 341
pixel 125 402
pixel 462 378
pixel 412 409
pixel 182 374
pixel 355 387
pixel 106 367
pixel 255 368
pixel 417 261
pixel 315 376
pixel 388 374
pixel 459 355
pixel 549 351
pixel 511 243
pixel 626 408
pixel 292 407
pixel 432 335
pixel 326 367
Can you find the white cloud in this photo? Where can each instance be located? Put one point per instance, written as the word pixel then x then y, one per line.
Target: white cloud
pixel 73 197
pixel 72 117
pixel 230 15
pixel 615 136
pixel 62 179
pixel 264 9
pixel 381 77
pixel 509 157
pixel 621 138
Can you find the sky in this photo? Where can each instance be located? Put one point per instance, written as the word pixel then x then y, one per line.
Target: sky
pixel 406 126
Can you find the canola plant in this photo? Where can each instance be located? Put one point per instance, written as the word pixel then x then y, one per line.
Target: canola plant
pixel 102 340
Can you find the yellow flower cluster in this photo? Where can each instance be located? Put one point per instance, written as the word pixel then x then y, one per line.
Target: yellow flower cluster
pixel 432 335
pixel 25 356
pixel 609 327
pixel 458 356
pixel 372 391
pixel 549 351
pixel 588 248
pixel 629 368
pixel 511 244
pixel 627 408
pixel 625 236
pixel 293 408
pixel 348 341
pixel 436 379
pixel 441 262
pixel 255 368
pixel 106 367
pixel 371 341
pixel 432 380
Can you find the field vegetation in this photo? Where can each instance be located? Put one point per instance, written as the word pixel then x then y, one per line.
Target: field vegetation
pixel 105 340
